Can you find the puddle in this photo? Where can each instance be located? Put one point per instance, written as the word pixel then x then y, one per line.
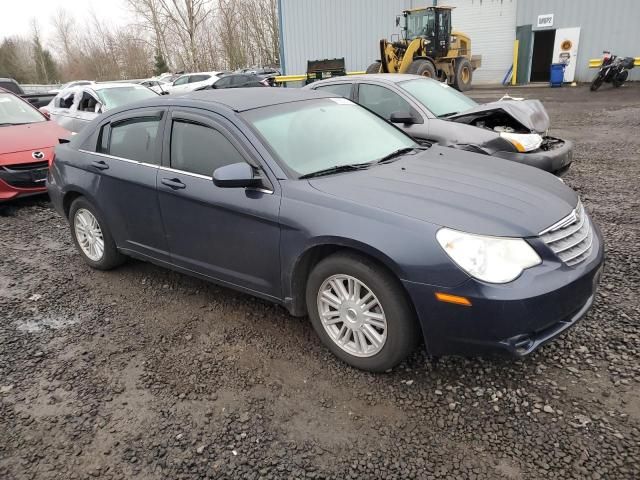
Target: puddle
pixel 35 325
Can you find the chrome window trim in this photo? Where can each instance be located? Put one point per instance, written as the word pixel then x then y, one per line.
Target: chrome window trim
pixel 168 169
pixel 106 155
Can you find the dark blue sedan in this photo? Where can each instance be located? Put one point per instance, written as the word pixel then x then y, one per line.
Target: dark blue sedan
pixel 315 203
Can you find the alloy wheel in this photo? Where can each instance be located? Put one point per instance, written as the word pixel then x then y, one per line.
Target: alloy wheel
pixel 89 234
pixel 352 315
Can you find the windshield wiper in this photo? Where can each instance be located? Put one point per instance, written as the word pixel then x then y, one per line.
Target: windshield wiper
pixel 336 169
pixel 396 153
pixel 447 114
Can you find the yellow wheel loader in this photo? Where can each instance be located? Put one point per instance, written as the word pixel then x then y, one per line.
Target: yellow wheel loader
pixel 429 47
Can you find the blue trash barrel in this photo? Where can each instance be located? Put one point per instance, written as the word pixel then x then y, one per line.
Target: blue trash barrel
pixel 557 74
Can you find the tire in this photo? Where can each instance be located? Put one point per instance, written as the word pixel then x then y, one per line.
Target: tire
pixel 595 84
pixel 464 75
pixel 422 67
pixel 83 213
pixel 391 307
pixel 619 80
pixel 375 67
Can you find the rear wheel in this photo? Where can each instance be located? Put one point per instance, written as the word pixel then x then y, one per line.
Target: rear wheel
pixel 375 67
pixel 422 67
pixel 464 75
pixel 595 84
pixel 360 312
pixel 619 80
pixel 92 237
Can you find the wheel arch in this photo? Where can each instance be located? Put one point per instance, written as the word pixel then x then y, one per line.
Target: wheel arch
pixel 321 249
pixel 70 195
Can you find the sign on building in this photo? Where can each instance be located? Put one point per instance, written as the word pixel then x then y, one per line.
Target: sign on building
pixel 545 20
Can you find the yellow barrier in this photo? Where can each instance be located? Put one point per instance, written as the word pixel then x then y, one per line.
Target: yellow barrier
pixel 514 70
pixel 597 62
pixel 302 78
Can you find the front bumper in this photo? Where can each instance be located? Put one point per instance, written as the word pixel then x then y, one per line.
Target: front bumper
pixel 553 156
pixel 514 318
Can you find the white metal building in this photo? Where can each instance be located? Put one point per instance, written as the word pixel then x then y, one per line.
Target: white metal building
pixel 318 29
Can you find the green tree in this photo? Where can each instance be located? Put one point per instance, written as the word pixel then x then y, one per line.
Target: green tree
pixel 46 68
pixel 160 65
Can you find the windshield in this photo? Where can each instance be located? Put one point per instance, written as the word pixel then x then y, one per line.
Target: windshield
pixel 116 96
pixel 14 111
pixel 438 97
pixel 421 24
pixel 311 136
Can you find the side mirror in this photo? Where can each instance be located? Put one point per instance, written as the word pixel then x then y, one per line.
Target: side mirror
pixel 402 117
pixel 46 113
pixel 236 175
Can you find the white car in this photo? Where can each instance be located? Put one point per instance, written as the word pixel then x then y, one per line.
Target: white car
pixel 75 107
pixel 190 82
pixel 159 86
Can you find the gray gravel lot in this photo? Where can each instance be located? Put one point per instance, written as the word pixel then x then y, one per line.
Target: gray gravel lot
pixel 145 373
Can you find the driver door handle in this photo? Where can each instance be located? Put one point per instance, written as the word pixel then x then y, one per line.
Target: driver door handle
pixel 100 164
pixel 173 183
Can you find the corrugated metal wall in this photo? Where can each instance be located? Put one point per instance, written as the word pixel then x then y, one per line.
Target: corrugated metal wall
pixel 352 29
pixel 491 25
pixel 604 25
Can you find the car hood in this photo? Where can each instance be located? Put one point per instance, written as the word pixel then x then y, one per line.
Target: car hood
pixel 461 190
pixel 32 136
pixel 531 114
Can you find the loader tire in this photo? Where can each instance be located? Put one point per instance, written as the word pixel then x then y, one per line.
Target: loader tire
pixel 464 75
pixel 375 67
pixel 422 67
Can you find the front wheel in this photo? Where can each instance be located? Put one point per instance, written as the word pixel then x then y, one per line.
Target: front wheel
pixel 595 84
pixel 361 312
pixel 375 67
pixel 422 67
pixel 92 236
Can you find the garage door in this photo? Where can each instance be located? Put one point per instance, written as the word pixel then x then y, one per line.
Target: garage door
pixel 491 24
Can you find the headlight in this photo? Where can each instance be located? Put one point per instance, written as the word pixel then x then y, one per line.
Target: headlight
pixel 524 142
pixel 490 259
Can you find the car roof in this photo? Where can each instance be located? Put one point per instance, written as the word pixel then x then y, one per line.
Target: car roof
pixel 379 77
pixel 241 99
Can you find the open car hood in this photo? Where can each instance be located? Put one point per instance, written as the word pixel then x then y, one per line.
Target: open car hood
pixel 531 114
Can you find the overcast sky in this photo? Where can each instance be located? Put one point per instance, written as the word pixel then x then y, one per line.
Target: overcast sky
pixel 16 15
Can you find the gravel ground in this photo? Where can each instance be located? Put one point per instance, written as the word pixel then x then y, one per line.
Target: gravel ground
pixel 145 373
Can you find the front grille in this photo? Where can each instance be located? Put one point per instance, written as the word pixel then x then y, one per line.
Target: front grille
pixel 571 238
pixel 25 175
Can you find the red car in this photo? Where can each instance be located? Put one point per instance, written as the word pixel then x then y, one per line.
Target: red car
pixel 27 140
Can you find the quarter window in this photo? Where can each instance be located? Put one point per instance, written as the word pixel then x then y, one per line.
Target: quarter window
pixel 135 139
pixel 382 100
pixel 342 89
pixel 199 149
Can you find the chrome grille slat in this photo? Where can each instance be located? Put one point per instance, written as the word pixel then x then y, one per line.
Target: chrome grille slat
pixel 571 238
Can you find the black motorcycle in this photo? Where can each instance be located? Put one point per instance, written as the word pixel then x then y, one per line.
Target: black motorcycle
pixel 614 70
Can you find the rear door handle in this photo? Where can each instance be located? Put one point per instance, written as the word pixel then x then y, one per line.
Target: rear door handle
pixel 173 183
pixel 99 164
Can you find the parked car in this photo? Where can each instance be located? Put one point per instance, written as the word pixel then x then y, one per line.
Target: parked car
pixel 35 99
pixel 75 107
pixel 27 139
pixel 264 73
pixel 238 80
pixel 193 81
pixel 431 111
pixel 158 86
pixel 315 203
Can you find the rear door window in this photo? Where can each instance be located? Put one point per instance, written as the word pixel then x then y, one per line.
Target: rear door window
pixel 198 78
pixel 134 139
pixel 381 100
pixel 342 89
pixel 199 149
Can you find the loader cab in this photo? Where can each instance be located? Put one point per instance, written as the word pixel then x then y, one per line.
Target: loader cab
pixel 433 24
